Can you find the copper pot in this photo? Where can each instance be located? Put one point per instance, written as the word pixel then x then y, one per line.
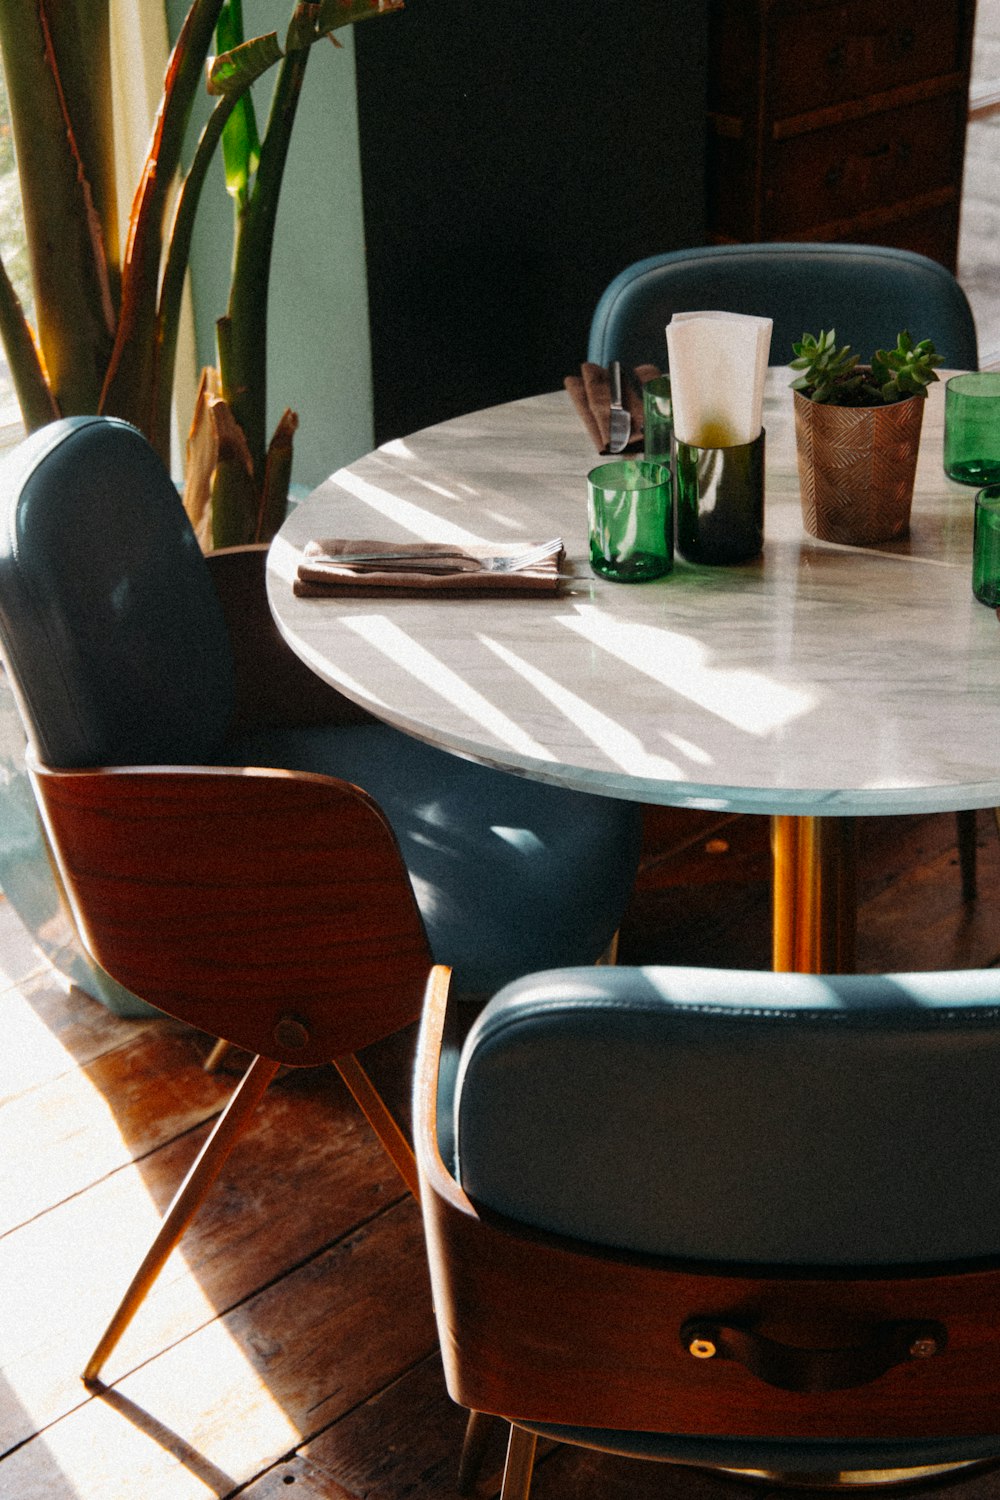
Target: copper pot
pixel 856 469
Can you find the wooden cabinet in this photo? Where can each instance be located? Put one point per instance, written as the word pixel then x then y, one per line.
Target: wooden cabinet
pixel 838 121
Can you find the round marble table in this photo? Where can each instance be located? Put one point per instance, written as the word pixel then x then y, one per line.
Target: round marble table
pixel 815 684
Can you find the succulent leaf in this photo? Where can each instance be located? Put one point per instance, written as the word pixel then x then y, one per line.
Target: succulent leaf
pixel 831 374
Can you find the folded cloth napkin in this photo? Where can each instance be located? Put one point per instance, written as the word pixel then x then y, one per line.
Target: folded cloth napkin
pixel 590 392
pixel 321 573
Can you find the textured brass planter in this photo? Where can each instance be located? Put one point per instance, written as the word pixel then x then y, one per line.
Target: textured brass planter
pixel 856 469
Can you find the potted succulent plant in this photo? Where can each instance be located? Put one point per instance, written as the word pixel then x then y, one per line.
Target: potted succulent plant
pixel 857 432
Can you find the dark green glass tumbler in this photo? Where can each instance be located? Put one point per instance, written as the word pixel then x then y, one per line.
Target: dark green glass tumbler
pixel 972 427
pixel 720 502
pixel 986 547
pixel 630 515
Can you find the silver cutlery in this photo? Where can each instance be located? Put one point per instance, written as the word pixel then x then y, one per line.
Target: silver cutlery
pixel 448 562
pixel 621 420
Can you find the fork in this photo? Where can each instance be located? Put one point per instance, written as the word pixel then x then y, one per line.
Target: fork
pixel 444 562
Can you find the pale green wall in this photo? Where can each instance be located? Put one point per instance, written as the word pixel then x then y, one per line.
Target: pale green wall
pixel 318 348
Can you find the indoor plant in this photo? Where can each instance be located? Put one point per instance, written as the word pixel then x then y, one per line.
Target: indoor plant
pixel 107 317
pixel 857 432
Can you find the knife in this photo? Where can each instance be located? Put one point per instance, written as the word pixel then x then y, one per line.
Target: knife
pixel 621 420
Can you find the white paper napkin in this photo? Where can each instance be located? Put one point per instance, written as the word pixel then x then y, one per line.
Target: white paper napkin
pixel 718 365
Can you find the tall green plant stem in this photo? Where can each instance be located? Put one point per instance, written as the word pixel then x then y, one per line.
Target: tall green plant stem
pixel 175 270
pixel 243 339
pixel 34 397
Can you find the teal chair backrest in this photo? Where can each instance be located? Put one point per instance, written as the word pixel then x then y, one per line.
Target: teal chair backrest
pixel 739 1117
pixel 110 627
pixel 869 293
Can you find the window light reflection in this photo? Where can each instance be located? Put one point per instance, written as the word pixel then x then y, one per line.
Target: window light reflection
pixel 422 664
pixel 625 750
pixel 425 526
pixel 748 700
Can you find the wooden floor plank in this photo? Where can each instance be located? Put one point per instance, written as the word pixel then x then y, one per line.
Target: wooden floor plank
pixel 404 1441
pixel 309 1171
pixel 310 1482
pixel 74 1129
pixel 246 1391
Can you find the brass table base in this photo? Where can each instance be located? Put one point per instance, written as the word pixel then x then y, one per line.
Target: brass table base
pixel 815 894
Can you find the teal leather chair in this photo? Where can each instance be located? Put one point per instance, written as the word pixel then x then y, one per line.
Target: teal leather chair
pixel 115 639
pixel 868 293
pixel 255 856
pixel 739 1220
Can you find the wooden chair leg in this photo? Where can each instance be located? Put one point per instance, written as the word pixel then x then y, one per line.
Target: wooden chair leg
pixel 187 1200
pixel 610 955
pixel 375 1111
pixel 520 1462
pixel 967 823
pixel 216 1055
pixel 477 1436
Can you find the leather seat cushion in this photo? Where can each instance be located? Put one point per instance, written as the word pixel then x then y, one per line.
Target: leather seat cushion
pixel 510 875
pixel 736 1116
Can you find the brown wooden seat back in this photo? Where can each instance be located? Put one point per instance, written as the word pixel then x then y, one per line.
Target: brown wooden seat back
pixel 271 908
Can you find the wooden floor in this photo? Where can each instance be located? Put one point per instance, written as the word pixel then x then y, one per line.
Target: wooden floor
pixel 291 1342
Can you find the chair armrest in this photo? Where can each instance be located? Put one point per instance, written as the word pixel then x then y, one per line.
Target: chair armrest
pixel 272 685
pixel 271 908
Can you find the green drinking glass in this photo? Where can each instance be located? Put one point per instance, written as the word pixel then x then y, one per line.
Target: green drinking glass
pixel 630 515
pixel 986 547
pixel 972 427
pixel 657 419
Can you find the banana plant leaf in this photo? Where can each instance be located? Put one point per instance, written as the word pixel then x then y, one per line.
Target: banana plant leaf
pixel 240 140
pixel 57 67
pixel 130 382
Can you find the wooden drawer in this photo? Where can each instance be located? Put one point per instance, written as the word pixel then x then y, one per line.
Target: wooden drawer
pixel 838 119
pixel 826 176
pixel 849 51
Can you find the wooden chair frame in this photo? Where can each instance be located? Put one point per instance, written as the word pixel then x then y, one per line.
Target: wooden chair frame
pixel 269 908
pixel 538 1329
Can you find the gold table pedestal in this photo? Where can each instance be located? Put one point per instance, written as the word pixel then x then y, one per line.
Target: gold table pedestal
pixel 815 894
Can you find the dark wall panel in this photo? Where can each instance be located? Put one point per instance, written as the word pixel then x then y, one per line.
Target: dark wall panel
pixel 516 154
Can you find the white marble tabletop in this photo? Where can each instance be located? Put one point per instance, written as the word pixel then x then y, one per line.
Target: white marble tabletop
pixel 818 680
